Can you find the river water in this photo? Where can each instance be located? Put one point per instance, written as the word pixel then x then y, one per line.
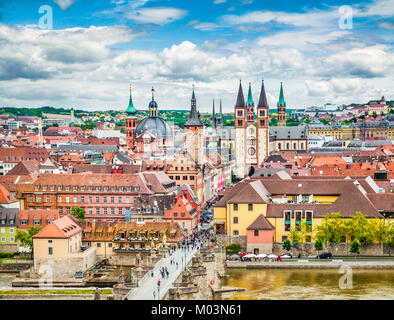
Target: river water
pixel 265 284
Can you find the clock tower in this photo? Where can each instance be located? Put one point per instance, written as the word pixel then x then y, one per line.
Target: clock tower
pixel 251 140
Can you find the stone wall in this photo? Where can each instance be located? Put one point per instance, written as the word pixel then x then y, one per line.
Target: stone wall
pixel 263 247
pixel 9 248
pixel 224 240
pixel 342 249
pixel 130 259
pixel 66 267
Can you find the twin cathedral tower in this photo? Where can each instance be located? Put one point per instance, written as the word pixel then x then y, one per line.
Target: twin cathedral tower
pixel 251 140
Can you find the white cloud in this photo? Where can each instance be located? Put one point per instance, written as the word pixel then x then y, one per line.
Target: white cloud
pixel 157 15
pixel 206 26
pixel 219 1
pixel 65 4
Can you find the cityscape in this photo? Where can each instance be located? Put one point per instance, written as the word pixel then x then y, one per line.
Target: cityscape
pixel 165 183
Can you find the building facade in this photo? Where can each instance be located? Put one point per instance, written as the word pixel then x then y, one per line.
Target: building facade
pixel 251 142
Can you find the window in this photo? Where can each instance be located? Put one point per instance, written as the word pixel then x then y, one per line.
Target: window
pixel 75 188
pixel 235 233
pixel 23 222
pixel 287 218
pixel 90 211
pixel 50 251
pixel 60 211
pixel 235 219
pixel 82 188
pixel 182 214
pixel 177 178
pixel 120 211
pixel 31 199
pixel 109 245
pixel 298 220
pixel 90 199
pixel 184 178
pixel 48 199
pixel 175 214
pixel 235 206
pixel 82 199
pixel 67 199
pixel 68 210
pixel 192 178
pixel 75 200
pixel 112 210
pixel 284 238
pixel 309 217
pixel 98 188
pixel 97 211
pixel 11 230
pixel 50 241
pixel 119 199
pixel 67 188
pixel 2 239
pixel 105 210
pixel 98 245
pixel 38 199
pixel 112 199
pixel 250 207
pixel 37 222
pixel 256 233
pixel 105 199
pixel 113 189
pixel 127 200
pixel 2 230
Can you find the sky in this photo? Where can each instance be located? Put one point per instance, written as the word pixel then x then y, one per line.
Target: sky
pixel 334 51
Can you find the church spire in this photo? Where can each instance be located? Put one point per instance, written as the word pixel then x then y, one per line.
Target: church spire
pixel 281 102
pixel 130 109
pixel 221 111
pixel 153 93
pixel 250 98
pixel 240 99
pixel 263 98
pixel 194 118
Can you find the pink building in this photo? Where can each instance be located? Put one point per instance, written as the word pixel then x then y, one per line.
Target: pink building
pixel 260 236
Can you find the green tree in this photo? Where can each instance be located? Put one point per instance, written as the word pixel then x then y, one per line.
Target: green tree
pixel 287 245
pixel 78 213
pixel 319 245
pixel 355 247
pixel 25 238
pixel 380 229
pixel 332 229
pixel 233 248
pixel 358 227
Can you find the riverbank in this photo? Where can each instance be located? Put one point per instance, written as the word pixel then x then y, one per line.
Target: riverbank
pixel 305 264
pixel 309 284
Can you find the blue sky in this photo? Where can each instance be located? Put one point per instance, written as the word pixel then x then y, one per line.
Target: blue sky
pixel 97 47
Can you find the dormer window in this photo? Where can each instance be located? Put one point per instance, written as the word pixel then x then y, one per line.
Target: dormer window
pixel 36 188
pixel 37 222
pixel 23 222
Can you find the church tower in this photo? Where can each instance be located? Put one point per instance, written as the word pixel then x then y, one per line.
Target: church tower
pixel 262 126
pixel 251 142
pixel 281 108
pixel 194 133
pixel 131 123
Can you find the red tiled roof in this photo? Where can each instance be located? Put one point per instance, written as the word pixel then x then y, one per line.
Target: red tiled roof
pixel 261 223
pixel 62 228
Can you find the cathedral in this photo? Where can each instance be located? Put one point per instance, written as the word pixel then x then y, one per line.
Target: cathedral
pixel 251 141
pixel 152 135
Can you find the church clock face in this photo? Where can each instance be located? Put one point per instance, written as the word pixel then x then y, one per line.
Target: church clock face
pixel 252 151
pixel 251 131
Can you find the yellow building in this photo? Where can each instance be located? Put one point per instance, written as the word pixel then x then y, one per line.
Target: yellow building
pixel 286 203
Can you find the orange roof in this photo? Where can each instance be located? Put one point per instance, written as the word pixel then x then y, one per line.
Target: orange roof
pixel 62 228
pixel 5 195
